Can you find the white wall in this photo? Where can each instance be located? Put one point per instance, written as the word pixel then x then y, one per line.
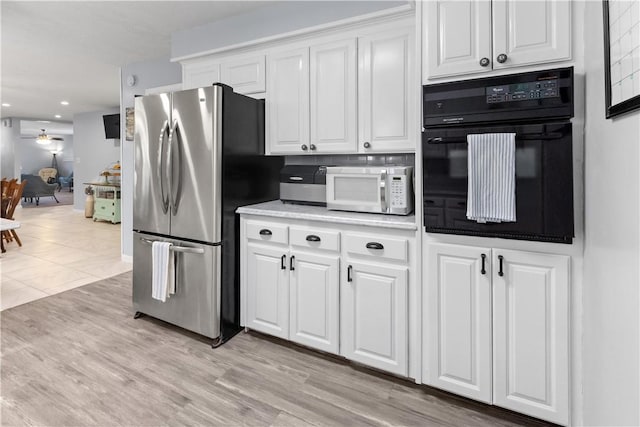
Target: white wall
pixel 268 21
pixel 611 277
pixel 9 135
pixel 149 74
pixel 34 156
pixel 93 153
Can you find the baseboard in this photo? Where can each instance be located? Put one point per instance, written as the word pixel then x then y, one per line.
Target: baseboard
pixel 126 258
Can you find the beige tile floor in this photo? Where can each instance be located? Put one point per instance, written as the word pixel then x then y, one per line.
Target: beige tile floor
pixel 61 250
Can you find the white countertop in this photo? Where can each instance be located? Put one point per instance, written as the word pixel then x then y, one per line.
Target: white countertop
pixel 277 209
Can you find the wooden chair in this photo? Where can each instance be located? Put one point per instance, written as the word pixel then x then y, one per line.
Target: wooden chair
pixel 14 200
pixel 7 186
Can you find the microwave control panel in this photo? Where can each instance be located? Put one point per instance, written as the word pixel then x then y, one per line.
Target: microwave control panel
pixel 399 197
pixel 522 91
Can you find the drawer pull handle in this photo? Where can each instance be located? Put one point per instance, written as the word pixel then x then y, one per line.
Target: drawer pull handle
pixel 282 262
pixel 374 245
pixel 265 232
pixel 500 272
pixel 313 238
pixel 483 270
pixel 349 278
pixel 291 267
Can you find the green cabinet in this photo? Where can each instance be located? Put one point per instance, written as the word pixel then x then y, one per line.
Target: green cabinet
pixel 107 203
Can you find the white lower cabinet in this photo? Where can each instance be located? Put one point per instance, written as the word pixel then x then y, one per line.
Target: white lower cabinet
pixel 497 328
pixel 459 320
pixel 268 292
pixel 314 295
pixel 374 310
pixel 340 289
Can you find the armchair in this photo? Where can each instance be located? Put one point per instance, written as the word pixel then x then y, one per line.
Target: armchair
pixel 36 188
pixel 48 174
pixel 66 181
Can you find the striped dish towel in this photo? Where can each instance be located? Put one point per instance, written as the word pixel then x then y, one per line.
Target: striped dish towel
pixel 491 195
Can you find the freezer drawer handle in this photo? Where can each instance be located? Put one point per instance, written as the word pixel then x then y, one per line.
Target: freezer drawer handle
pixel 265 232
pixel 374 245
pixel 313 238
pixel 183 249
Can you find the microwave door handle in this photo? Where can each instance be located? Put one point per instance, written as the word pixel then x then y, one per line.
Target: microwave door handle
pixel 383 191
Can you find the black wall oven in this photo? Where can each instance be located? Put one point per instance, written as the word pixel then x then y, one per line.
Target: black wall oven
pixel 536 106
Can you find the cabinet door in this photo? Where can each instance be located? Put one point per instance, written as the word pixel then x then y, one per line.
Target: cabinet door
pixel 374 312
pixel 457 36
pixel 267 290
pixel 458 324
pixel 287 110
pixel 531 32
pixel 385 92
pixel 200 74
pixel 333 97
pixel 314 300
pixel 531 334
pixel 244 75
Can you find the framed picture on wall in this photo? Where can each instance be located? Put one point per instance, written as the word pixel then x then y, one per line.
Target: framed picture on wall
pixel 621 55
pixel 129 123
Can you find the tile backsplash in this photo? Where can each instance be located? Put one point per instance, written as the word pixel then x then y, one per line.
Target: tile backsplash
pixel 352 160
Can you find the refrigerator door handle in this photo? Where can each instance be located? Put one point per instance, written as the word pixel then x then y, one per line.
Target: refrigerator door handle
pixel 174 188
pixel 165 198
pixel 174 248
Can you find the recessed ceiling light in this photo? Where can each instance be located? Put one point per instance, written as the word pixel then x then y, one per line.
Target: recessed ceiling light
pixel 64 102
pixel 57 116
pixel 4 104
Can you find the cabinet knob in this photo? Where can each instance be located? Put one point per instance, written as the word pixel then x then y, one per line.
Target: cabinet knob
pixel 502 58
pixel 312 147
pixel 304 147
pixel 367 145
pixel 484 62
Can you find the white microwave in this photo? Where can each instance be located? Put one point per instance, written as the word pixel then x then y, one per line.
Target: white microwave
pixel 376 189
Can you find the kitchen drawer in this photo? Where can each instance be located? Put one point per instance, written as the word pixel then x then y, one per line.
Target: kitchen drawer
pixel 364 244
pixel 315 239
pixel 268 232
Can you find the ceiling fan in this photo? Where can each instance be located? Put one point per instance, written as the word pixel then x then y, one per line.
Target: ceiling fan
pixel 43 138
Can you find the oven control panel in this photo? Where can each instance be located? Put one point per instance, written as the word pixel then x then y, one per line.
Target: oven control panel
pixel 522 91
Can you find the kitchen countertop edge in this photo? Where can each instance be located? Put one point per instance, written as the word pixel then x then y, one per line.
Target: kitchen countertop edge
pixel 278 209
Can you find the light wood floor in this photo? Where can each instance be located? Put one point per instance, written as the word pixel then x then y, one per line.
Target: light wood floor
pixel 78 358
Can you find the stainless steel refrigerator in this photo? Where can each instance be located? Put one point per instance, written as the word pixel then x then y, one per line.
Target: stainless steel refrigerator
pixel 199 154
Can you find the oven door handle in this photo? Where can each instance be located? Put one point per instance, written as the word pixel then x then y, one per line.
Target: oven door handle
pixel 438 140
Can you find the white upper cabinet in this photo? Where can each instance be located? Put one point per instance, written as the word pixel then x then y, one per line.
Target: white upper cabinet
pixel 287 102
pixel 200 74
pixel 531 32
pixel 475 36
pixel 458 37
pixel 385 76
pixel 244 75
pixel 333 97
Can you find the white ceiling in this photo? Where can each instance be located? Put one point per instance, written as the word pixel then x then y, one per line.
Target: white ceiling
pixel 72 50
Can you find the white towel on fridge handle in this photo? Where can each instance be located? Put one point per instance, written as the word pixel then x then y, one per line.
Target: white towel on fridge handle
pixel 162 271
pixel 491 193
